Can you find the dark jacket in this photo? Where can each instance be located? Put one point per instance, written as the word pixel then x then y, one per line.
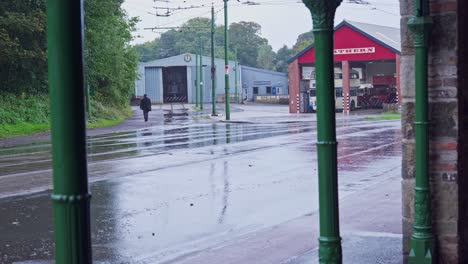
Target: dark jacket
pixel 145 104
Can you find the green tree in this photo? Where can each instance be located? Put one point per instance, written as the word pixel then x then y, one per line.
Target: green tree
pixel 187 39
pixel 266 57
pixel 303 41
pixel 110 60
pixel 23 58
pixel 282 57
pixel 245 36
pixel 149 51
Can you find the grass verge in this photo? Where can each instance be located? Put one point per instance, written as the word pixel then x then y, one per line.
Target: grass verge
pixel 29 115
pixel 390 115
pixel 22 129
pixel 109 122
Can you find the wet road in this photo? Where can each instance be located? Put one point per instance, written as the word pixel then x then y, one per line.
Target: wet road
pixel 166 192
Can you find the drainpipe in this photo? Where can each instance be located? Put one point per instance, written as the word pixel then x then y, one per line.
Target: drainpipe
pixel 70 195
pixel 323 13
pixel 422 239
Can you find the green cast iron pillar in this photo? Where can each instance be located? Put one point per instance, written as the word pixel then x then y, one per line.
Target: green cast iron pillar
pixel 70 195
pixel 323 13
pixel 202 101
pixel 422 239
pixel 227 97
pixel 197 81
pixel 213 69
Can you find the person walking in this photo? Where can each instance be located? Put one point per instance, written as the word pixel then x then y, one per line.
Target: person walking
pixel 145 105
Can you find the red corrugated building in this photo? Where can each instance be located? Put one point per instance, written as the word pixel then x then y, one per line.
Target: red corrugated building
pixel 367 59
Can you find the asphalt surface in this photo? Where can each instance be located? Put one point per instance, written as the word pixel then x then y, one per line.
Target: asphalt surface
pixel 185 188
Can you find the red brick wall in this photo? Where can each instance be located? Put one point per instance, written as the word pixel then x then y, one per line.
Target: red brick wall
pixel 294 76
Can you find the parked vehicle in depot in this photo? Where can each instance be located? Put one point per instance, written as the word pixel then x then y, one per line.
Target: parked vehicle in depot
pixel 382 90
pixel 354 80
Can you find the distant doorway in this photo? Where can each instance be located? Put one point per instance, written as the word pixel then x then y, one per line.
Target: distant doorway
pixel 175 84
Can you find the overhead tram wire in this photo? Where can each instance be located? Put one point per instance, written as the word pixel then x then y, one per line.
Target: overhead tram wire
pixel 188 18
pixel 248 3
pixel 278 2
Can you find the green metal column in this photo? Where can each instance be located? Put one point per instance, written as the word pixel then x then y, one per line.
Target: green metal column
pixel 70 195
pixel 227 98
pixel 323 13
pixel 422 239
pixel 202 101
pixel 197 81
pixel 213 67
pixel 235 77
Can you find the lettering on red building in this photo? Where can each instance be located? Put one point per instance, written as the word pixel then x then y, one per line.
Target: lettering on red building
pixel 354 50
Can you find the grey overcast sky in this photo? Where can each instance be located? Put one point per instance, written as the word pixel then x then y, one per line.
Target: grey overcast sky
pixel 281 20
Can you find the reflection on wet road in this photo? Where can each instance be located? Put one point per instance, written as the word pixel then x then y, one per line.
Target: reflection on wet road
pixel 163 192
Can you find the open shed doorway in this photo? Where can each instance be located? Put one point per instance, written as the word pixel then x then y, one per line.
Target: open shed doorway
pixel 175 84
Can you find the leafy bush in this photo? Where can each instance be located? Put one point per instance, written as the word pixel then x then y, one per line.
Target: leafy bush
pixel 27 114
pixel 24 109
pixel 99 112
pixel 110 60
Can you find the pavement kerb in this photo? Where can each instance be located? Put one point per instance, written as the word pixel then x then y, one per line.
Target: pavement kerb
pixel 236 122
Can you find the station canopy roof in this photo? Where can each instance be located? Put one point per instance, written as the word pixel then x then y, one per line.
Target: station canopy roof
pixel 356 41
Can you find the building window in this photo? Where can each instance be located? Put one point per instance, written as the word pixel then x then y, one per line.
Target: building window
pixel 339 92
pixel 255 90
pixel 354 76
pixel 268 89
pixel 312 92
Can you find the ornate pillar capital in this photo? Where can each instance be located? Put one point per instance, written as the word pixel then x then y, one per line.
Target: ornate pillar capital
pixel 323 13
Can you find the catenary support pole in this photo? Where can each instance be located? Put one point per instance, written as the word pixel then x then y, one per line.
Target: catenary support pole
pixel 70 195
pixel 213 68
pixel 422 238
pixel 227 98
pixel 202 101
pixel 197 81
pixel 88 101
pixel 235 77
pixel 323 13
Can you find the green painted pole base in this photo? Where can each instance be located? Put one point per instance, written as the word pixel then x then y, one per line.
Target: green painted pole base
pixel 330 250
pixel 422 251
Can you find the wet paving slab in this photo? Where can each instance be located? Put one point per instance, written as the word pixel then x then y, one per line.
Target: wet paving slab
pixel 163 191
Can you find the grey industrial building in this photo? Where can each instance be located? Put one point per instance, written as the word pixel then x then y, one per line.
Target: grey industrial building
pixel 174 79
pixel 263 82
